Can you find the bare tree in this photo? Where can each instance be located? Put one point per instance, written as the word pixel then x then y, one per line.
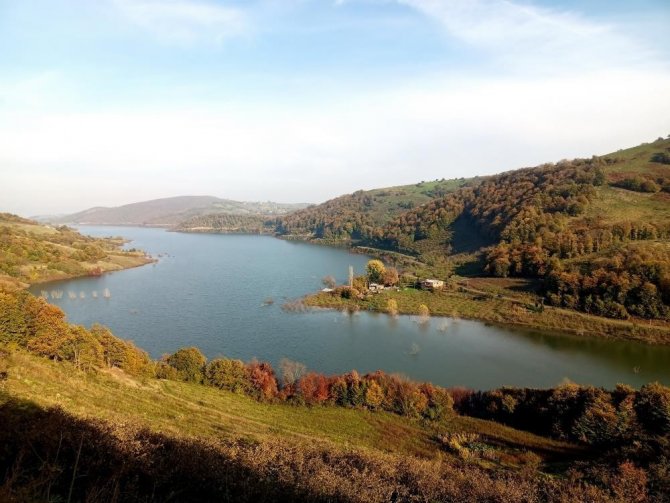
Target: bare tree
pixel 291 371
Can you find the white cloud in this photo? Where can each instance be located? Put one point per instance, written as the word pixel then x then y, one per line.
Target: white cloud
pixel 439 128
pixel 185 21
pixel 532 38
pixel 593 97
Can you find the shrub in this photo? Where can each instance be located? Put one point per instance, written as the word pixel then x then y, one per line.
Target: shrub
pixel 262 380
pixel 189 364
pixel 230 375
pixel 653 408
pixel 313 388
pixel 164 371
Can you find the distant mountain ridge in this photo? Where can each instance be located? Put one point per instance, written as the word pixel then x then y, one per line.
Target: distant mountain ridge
pixel 171 211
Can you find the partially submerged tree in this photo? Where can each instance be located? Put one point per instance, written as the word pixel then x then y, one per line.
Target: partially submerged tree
pixel 329 281
pixel 424 313
pixel 392 307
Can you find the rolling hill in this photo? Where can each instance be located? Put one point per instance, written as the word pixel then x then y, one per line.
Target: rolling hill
pixel 171 211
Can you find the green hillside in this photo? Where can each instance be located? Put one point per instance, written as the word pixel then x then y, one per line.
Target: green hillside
pixel 359 217
pixel 228 224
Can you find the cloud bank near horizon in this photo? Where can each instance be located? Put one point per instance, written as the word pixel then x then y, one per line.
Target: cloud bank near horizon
pixel 250 101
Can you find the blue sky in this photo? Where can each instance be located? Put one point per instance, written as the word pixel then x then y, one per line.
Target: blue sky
pixel 113 101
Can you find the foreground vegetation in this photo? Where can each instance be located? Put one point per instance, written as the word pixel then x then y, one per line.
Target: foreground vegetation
pixel 89 417
pixel 32 253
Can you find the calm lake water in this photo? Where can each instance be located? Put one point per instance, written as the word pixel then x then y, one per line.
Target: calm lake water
pixel 209 290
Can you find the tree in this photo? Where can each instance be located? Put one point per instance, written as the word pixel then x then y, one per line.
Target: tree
pixel 189 363
pixel 652 406
pixel 314 388
pixel 599 424
pixel 227 374
pixel 291 372
pixel 390 276
pixel 262 379
pixel 392 307
pixel 375 269
pixel 374 395
pixel 424 313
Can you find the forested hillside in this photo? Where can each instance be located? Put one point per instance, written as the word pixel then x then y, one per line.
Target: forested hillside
pixel 360 217
pixel 33 253
pixel 595 231
pixel 226 223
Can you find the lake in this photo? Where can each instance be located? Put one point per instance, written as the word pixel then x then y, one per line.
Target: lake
pixel 210 291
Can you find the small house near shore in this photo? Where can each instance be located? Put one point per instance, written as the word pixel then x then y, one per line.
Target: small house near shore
pixel 432 284
pixel 375 287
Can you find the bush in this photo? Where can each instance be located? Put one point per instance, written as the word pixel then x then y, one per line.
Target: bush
pixel 189 364
pixel 230 375
pixel 313 388
pixel 652 405
pixel 262 380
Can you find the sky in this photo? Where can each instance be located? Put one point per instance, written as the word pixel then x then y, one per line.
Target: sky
pixel 108 102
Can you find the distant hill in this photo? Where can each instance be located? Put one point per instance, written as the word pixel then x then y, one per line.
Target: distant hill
pixel 349 218
pixel 171 211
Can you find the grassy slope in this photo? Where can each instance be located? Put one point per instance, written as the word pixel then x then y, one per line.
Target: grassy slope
pixel 391 201
pixel 32 236
pixel 615 204
pixel 191 410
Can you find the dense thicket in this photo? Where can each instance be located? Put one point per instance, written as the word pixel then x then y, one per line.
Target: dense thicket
pixel 361 216
pixel 566 412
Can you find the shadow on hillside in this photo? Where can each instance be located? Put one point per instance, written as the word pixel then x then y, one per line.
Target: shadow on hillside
pixel 46 454
pixel 466 237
